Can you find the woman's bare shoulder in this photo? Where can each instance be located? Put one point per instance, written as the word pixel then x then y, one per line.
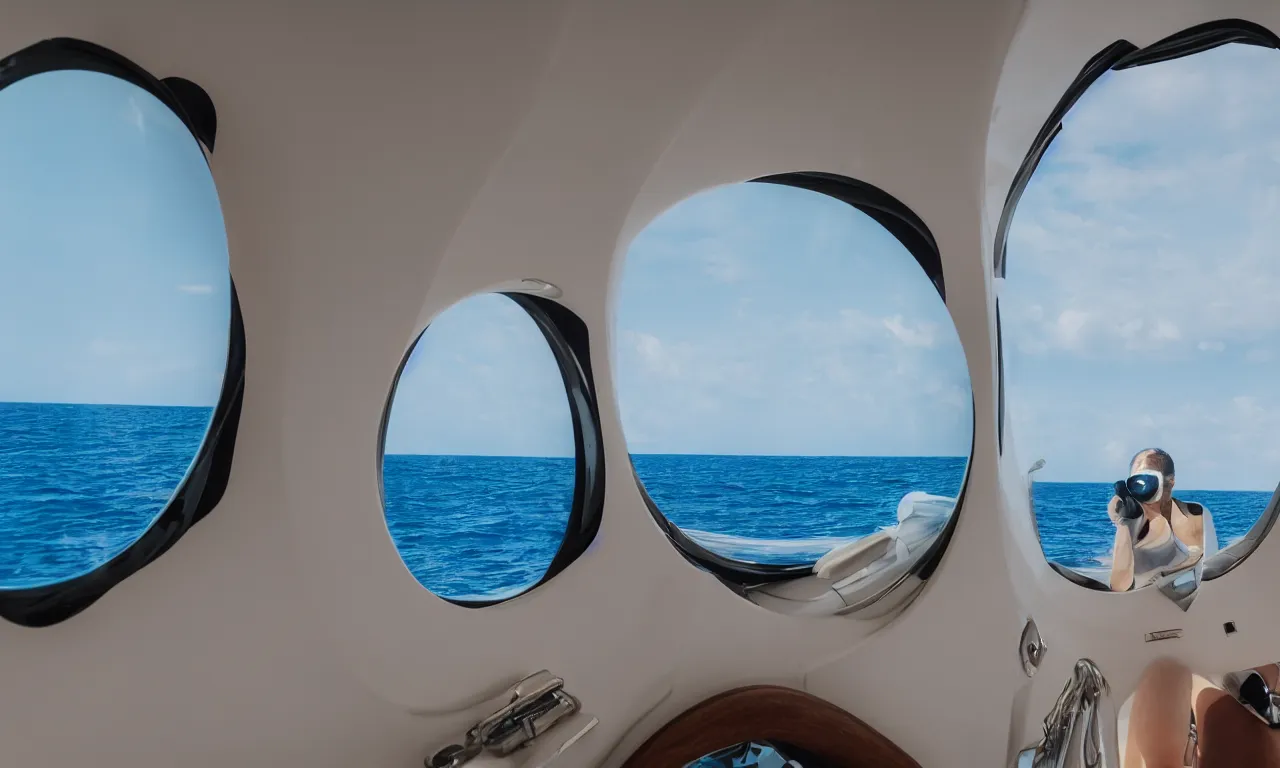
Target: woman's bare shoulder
pixel 1189 508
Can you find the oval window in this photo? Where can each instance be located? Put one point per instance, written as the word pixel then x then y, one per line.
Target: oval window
pixel 490 473
pixel 116 320
pixel 1141 338
pixel 789 379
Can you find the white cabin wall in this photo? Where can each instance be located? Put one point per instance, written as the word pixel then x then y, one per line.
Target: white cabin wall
pixel 377 162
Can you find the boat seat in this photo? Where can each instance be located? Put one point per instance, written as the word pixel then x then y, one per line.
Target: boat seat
pixel 853 557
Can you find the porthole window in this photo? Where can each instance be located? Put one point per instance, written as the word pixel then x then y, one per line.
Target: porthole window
pixel 119 331
pixel 492 474
pixel 1139 322
pixel 791 385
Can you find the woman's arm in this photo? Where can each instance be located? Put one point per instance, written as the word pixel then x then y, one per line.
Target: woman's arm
pixel 1121 561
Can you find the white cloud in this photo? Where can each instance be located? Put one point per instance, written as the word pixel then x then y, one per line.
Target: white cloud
pixel 136 115
pixel 196 288
pixel 922 335
pixel 1156 214
pixel 837 382
pixel 768 320
pixel 1218 442
pixel 1148 238
pixel 1070 326
pixel 1165 330
pixel 653 354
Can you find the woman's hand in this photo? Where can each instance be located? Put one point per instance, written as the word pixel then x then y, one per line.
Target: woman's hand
pixel 1113 510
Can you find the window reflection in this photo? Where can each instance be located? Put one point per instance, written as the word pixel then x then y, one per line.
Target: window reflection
pixel 1137 312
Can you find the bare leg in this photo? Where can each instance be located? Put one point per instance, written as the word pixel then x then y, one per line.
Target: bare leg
pixel 1230 737
pixel 1160 719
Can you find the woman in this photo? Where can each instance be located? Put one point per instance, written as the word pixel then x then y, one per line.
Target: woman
pixel 1154 531
pixel 1165 533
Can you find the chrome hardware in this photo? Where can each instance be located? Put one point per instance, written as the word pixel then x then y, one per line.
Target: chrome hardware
pixel 1191 754
pixel 453 756
pixel 1031 495
pixel 1163 634
pixel 1031 648
pixel 1036 467
pixel 1181 584
pixel 534 706
pixel 1080 730
pixel 1251 690
pixel 583 731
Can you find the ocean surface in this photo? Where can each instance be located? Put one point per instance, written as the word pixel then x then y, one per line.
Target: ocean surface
pixel 80 483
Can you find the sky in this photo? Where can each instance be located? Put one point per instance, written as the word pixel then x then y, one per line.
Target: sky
pixel 481 380
pixel 1138 309
pixel 763 319
pixel 751 319
pixel 114 284
pixel 1140 302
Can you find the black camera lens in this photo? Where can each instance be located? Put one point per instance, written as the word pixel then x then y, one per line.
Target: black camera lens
pixel 1143 487
pixel 1129 508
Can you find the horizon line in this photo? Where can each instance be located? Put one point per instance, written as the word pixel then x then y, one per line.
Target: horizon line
pixel 802 456
pixel 112 405
pixel 717 455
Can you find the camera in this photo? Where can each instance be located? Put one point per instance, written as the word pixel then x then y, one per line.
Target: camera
pixel 1129 507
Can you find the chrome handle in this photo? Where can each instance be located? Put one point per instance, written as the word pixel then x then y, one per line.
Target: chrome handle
pixel 1080 730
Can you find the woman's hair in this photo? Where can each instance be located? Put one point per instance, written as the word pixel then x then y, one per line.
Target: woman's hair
pixel 1158 459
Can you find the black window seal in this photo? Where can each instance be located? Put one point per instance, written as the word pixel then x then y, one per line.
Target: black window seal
pixel 999 382
pixel 184 98
pixel 1199 39
pixel 1095 68
pixel 1078 578
pixel 195 498
pixel 914 234
pixel 206 482
pixel 884 208
pixel 1120 55
pixel 567 336
pixel 1227 559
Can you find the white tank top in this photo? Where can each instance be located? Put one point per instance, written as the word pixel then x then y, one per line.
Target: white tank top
pixel 1164 551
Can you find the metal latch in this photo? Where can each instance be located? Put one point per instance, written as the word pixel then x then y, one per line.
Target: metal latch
pixel 535 705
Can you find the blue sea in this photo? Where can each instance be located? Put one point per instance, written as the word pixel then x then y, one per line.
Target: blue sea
pixel 80 483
